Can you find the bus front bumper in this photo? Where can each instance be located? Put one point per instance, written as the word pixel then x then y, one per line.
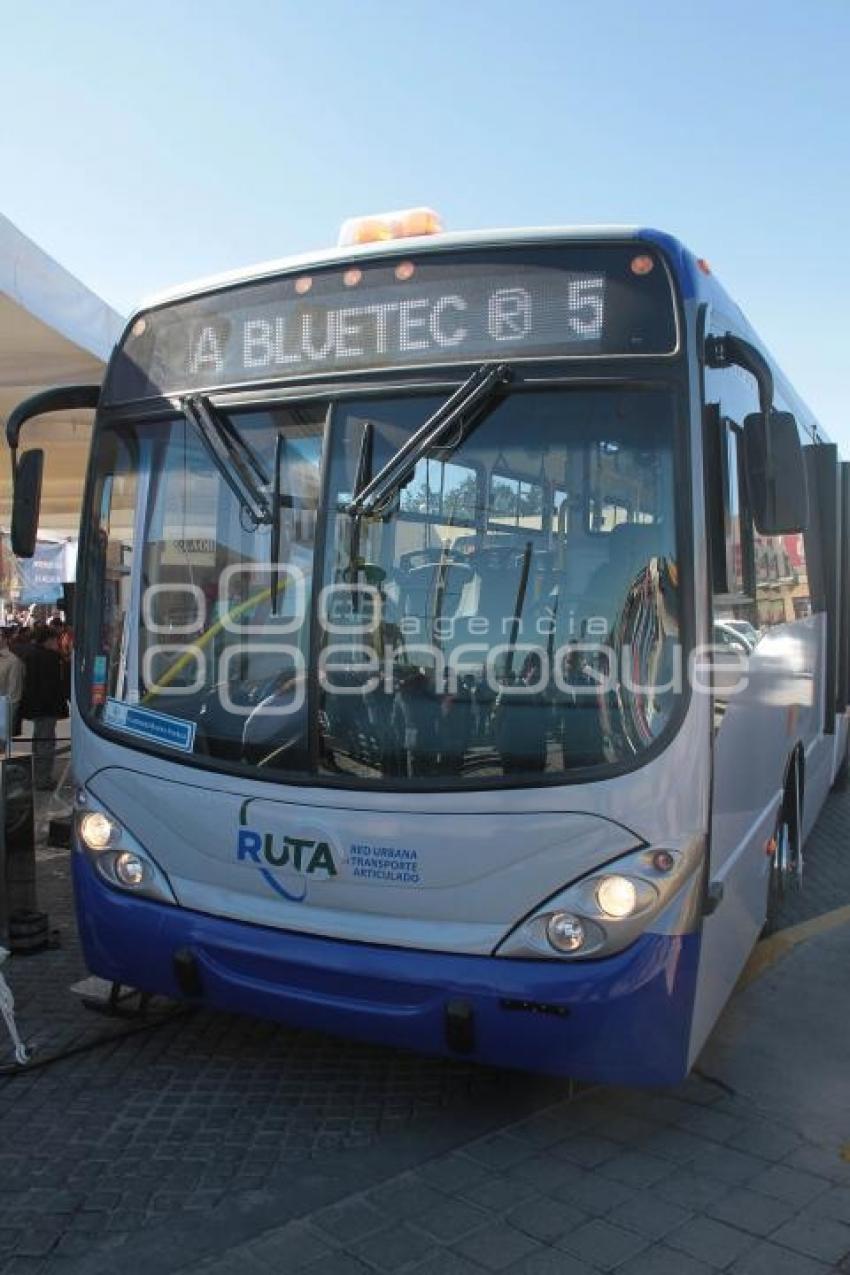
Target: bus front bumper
pixel 624 1019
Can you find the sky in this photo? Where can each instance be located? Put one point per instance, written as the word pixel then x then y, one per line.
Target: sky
pixel 146 145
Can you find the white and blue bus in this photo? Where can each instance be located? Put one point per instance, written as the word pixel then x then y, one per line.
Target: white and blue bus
pixel 461 645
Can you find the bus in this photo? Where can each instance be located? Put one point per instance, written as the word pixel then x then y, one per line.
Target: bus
pixel 461 645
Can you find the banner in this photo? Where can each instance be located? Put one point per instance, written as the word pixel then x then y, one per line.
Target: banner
pixel 37 579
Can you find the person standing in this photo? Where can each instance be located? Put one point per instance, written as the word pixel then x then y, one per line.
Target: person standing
pixel 11 678
pixel 44 700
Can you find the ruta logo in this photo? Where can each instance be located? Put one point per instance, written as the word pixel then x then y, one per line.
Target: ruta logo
pixel 304 857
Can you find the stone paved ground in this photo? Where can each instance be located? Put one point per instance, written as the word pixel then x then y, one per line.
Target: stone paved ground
pixel 225 1144
pixel 685 1184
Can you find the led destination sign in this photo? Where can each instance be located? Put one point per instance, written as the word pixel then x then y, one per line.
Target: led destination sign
pixel 439 309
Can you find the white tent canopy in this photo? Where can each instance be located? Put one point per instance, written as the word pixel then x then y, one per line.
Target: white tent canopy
pixel 53 331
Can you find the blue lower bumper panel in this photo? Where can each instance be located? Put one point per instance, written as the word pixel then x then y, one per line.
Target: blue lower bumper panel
pixel 622 1020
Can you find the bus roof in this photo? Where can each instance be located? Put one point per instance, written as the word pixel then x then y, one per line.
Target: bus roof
pixel 426 243
pixel 695 283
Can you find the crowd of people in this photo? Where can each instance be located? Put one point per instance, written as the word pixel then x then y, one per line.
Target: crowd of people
pixel 35 678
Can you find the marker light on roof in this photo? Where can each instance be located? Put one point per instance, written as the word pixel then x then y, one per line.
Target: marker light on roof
pixel 404 224
pixel 303 285
pixel 642 264
pixel 352 277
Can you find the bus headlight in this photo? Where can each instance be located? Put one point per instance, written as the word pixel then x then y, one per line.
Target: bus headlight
pixel 606 911
pixel 617 896
pixel 98 830
pixel 118 858
pixel 129 869
pixel 565 932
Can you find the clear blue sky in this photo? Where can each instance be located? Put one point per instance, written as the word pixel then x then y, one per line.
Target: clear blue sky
pixel 146 145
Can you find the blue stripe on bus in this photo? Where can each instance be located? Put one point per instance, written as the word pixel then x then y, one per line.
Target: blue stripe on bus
pixel 621 1020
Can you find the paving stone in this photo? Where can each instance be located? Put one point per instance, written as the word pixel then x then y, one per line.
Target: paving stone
pixel 729 1165
pixel 587 1150
pixel 547 1175
pixel 767 1258
pixel 544 1219
pixel 550 1262
pixel 350 1220
pixel 824 1162
pixel 691 1190
pixel 24 1266
pixel 405 1197
pixel 594 1194
pixel 499 1194
pixel 792 1185
pixel 710 1241
pixel 714 1125
pixel 698 1090
pixel 660 1260
pixel 834 1203
pixel 240 1259
pixel 496 1247
pixel 749 1210
pixel 394 1248
pixel 442 1263
pixel 626 1128
pixel 500 1151
pixel 453 1173
pixel 449 1220
pixel 820 1237
pixel 565 1119
pixel 601 1243
pixel 649 1215
pixel 663 1108
pixel 342 1264
pixel 38 1240
pixel 634 1168
pixel 676 1145
pixel 290 1247
pixel 544 1128
pixel 769 1141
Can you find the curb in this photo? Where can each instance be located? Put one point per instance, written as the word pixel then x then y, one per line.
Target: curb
pixel 772 950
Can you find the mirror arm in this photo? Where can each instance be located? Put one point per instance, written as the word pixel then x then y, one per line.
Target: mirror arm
pixel 61 397
pixel 734 351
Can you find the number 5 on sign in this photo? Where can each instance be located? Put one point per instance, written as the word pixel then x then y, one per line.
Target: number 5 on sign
pixel 585 307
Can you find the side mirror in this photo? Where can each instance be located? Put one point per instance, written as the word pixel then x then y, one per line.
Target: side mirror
pixel 776 475
pixel 27 502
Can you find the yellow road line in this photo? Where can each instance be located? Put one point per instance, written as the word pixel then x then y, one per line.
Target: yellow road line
pixel 778 945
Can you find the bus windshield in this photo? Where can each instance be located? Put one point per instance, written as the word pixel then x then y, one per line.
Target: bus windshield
pixel 512 614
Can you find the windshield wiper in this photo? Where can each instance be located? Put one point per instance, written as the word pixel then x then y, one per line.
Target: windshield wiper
pixel 361 478
pixel 274 547
pixel 463 411
pixel 232 457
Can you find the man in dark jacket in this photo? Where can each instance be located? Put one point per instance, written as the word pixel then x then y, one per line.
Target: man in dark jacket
pixel 44 699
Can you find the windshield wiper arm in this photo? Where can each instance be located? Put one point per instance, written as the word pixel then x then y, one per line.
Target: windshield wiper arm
pixel 232 457
pixel 274 547
pixel 464 409
pixel 361 479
